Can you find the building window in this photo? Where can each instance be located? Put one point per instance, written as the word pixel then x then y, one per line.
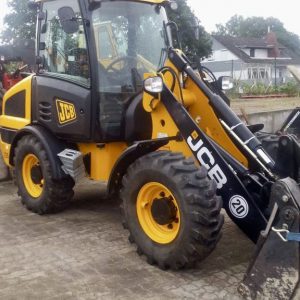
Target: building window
pixel 257 73
pixel 252 52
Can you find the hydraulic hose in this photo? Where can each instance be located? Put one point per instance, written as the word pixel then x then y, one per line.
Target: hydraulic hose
pixel 224 112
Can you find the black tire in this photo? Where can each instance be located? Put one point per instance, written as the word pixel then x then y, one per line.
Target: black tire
pixel 4 170
pixel 55 195
pixel 200 218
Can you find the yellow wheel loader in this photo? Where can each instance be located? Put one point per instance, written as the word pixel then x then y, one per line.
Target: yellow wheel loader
pixel 116 101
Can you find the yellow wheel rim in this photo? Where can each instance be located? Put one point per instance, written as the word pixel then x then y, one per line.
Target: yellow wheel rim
pixel 33 186
pixel 158 232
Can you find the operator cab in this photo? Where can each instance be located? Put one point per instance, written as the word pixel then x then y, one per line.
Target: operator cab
pixel 125 33
pixel 105 51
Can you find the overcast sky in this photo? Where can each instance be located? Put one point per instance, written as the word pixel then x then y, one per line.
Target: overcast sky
pixel 211 12
pixel 3 11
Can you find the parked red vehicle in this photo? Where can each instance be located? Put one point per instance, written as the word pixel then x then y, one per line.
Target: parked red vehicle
pixel 9 80
pixel 11 72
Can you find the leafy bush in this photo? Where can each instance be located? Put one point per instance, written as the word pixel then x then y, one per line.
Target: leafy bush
pixel 291 89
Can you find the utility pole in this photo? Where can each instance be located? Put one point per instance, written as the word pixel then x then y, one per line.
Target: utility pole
pixel 275 72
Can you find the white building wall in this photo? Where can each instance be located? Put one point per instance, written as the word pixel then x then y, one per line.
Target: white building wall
pixel 261 53
pixel 221 55
pixel 224 54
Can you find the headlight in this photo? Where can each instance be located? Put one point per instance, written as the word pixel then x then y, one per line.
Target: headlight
pixel 226 83
pixel 153 85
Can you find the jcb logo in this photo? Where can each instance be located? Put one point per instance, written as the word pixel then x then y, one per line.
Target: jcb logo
pixel 66 111
pixel 207 160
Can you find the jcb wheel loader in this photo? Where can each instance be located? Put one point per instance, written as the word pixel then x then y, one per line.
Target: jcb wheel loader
pixel 114 100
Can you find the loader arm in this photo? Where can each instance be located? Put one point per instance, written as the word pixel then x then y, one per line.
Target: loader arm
pixel 238 203
pixel 229 174
pixel 274 270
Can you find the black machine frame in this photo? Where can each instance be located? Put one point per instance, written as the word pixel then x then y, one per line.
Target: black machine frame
pixel 236 184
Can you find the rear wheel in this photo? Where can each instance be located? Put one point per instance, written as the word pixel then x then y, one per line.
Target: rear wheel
pixel 171 210
pixel 39 192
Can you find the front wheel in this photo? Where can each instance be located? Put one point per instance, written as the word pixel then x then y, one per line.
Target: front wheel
pixel 171 210
pixel 39 192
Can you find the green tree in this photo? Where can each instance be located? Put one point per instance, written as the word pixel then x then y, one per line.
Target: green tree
pixel 19 23
pixel 186 20
pixel 239 26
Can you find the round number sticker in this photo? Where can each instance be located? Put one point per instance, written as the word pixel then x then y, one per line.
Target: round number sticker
pixel 238 206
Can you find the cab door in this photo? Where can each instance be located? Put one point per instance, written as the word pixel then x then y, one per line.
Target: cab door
pixel 62 89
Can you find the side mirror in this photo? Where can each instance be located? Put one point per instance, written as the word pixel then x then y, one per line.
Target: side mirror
pixel 42 46
pixel 94 4
pixel 44 28
pixel 32 5
pixel 225 83
pixel 68 19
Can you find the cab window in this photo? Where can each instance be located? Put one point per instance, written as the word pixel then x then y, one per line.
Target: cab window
pixel 64 55
pixel 106 49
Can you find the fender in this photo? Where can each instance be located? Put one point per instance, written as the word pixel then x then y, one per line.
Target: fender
pixel 130 155
pixel 52 145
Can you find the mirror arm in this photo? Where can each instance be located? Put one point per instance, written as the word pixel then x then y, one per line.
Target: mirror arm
pixel 172 24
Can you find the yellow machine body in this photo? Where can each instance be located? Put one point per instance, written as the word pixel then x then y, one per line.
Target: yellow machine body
pixel 13 122
pixel 104 156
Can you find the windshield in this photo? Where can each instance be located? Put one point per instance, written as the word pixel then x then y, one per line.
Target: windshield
pixel 130 41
